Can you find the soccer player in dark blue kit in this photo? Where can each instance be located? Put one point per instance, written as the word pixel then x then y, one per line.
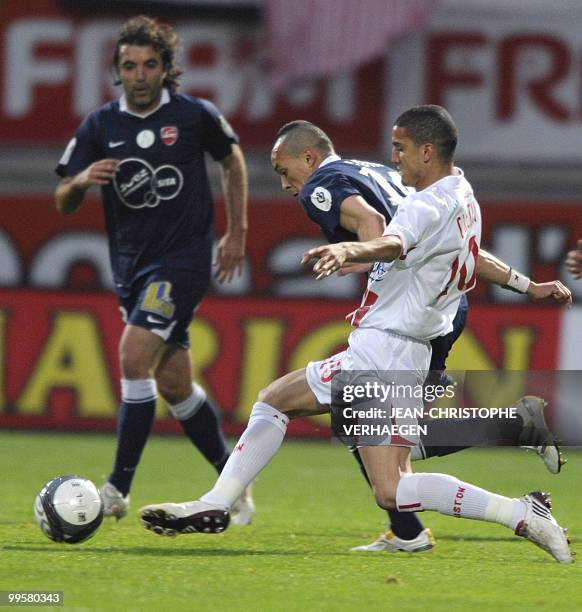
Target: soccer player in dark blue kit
pixel 146 152
pixel 355 200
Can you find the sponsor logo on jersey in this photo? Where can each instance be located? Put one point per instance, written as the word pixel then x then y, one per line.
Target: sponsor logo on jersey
pixel 169 134
pixel 139 185
pixel 321 198
pixel 115 143
pixel 145 139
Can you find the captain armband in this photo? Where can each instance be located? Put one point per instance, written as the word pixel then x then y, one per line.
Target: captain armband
pixel 517 282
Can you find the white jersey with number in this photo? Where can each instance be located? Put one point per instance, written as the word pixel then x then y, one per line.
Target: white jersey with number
pixel 418 294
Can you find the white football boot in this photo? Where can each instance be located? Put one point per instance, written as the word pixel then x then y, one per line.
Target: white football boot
pixel 243 510
pixel 114 503
pixel 541 528
pixel 388 542
pixel 536 435
pixel 189 517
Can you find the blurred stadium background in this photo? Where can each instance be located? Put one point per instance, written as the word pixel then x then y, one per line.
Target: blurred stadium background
pixel 508 70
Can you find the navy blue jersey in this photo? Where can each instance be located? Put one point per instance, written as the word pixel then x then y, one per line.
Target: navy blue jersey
pixel 326 189
pixel 158 209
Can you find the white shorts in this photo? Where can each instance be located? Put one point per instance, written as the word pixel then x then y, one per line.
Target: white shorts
pixel 376 351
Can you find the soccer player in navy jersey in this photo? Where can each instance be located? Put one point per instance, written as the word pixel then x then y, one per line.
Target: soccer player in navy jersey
pixel 354 200
pixel 146 152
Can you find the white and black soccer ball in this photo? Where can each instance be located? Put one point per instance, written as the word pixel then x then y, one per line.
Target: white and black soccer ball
pixel 68 509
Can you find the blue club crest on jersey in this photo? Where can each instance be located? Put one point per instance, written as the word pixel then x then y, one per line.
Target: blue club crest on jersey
pixel 378 271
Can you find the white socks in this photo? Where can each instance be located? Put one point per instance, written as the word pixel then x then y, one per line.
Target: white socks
pixel 189 407
pixel 256 447
pixel 138 391
pixel 448 495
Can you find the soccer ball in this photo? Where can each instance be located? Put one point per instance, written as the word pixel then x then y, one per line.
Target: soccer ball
pixel 68 509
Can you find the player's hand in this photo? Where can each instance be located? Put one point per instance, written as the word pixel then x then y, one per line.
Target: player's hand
pixel 553 292
pixel 355 268
pixel 98 173
pixel 331 257
pixel 230 255
pixel 574 261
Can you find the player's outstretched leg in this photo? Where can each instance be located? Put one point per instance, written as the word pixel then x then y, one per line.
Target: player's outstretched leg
pixel 210 514
pixel 528 516
pixel 199 419
pixel 256 447
pixel 530 431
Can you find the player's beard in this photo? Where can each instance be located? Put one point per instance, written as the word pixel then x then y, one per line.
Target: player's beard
pixel 143 102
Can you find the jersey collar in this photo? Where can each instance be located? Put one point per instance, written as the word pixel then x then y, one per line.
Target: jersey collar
pixel 124 109
pixel 329 159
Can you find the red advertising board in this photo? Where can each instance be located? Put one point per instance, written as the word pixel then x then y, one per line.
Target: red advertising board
pixel 58 353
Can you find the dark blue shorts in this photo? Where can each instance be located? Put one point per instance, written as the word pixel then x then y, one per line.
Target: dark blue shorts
pixel 441 346
pixel 164 302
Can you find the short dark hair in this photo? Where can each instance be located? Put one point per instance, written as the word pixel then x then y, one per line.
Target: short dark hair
pixel 431 123
pixel 300 134
pixel 148 32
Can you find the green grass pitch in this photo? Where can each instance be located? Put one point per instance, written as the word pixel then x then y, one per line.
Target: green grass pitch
pixel 312 507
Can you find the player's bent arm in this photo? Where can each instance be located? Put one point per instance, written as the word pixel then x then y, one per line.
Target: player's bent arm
pixel 384 248
pixel 332 257
pixel 358 217
pixel 493 270
pixel 68 197
pixel 71 190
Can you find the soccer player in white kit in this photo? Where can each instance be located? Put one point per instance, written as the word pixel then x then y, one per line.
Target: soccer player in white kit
pixel 425 261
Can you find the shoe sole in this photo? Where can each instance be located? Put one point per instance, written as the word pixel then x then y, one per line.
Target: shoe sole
pixel 166 524
pixel 387 547
pixel 420 549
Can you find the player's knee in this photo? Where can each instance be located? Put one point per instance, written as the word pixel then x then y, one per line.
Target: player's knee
pixel 174 390
pixel 268 396
pixel 132 366
pixel 386 499
pixel 272 395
